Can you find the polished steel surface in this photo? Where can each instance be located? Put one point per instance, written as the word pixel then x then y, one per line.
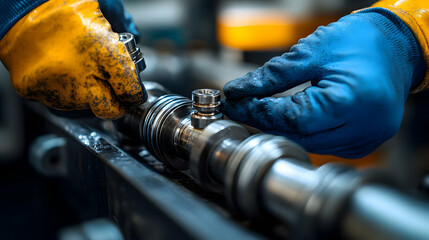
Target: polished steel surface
pixel 287 186
pixel 206 97
pixel 377 212
pixel 132 48
pixel 249 164
pixel 211 149
pixel 160 127
pixel 206 105
pixel 130 126
pixel 259 175
pixel 143 202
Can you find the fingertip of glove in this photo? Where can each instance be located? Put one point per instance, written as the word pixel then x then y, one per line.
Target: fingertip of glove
pixel 228 89
pixel 235 89
pixel 112 113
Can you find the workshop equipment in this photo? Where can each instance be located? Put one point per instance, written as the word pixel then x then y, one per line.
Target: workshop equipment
pixel 266 174
pixel 263 177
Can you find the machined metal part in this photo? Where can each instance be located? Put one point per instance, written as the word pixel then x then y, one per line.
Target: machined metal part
pixel 211 151
pixel 206 105
pixel 261 174
pixel 132 48
pixel 129 128
pixel 376 212
pixel 162 121
pixel 110 183
pixel 137 57
pixel 249 164
pixel 307 197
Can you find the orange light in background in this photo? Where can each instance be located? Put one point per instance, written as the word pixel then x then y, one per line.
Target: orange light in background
pixel 264 29
pixel 374 159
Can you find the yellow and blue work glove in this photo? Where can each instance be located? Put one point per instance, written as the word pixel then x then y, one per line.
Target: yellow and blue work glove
pixel 65 54
pixel 361 69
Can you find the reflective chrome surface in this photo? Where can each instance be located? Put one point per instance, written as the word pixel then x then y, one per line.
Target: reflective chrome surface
pixel 162 121
pixel 206 105
pixel 259 174
pixel 211 150
pixel 249 164
pixel 133 50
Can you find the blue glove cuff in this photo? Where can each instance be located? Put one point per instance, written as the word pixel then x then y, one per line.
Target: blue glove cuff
pixel 12 11
pixel 118 17
pixel 402 39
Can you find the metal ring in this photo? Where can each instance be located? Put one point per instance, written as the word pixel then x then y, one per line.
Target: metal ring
pixel 234 162
pixel 213 135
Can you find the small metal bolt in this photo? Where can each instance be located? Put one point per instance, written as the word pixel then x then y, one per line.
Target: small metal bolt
pixel 136 56
pixel 206 105
pixel 132 48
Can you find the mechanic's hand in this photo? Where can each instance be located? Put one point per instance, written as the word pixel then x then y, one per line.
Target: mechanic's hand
pixel 361 69
pixel 65 55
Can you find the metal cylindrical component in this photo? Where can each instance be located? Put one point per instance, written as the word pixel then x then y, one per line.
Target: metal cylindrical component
pixel 286 188
pixel 129 41
pixel 311 201
pixel 132 48
pixel 248 165
pixel 137 57
pixel 206 105
pixel 128 128
pixel 159 130
pixel 206 96
pixel 379 212
pixel 220 158
pixel 211 150
pixel 270 174
pixel 265 173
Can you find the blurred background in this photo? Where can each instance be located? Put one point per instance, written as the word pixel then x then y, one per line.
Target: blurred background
pixel 191 44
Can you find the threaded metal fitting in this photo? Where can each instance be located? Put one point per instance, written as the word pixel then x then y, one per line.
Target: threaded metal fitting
pixel 206 105
pixel 132 48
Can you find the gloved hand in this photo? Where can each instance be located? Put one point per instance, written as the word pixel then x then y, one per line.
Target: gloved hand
pixel 361 69
pixel 65 55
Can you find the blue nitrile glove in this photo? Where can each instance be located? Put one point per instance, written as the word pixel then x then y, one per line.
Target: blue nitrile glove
pixel 113 10
pixel 361 69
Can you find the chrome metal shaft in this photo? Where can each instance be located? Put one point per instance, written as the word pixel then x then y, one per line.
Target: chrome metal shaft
pixel 258 174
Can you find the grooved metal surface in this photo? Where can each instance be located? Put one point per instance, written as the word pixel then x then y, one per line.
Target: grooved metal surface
pixel 145 204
